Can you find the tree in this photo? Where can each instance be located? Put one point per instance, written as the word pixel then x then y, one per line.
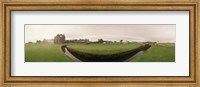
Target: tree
pixel 100 40
pixel 121 41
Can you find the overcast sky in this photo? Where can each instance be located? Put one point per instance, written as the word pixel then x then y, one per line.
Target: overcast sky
pixel 132 32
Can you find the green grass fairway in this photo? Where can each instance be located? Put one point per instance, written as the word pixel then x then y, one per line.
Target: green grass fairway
pixel 52 52
pixel 158 53
pixel 103 49
pixel 45 53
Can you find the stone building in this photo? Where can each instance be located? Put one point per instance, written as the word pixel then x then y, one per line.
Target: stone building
pixel 59 38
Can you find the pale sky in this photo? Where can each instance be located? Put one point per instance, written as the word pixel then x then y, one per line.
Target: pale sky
pixel 129 32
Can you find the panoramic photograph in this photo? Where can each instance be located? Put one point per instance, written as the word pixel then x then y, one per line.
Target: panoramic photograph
pixel 100 42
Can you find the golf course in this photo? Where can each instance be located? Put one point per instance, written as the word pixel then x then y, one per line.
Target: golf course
pixel 41 52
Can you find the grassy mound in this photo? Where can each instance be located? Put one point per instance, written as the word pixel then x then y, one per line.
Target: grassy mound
pixel 114 57
pixel 103 49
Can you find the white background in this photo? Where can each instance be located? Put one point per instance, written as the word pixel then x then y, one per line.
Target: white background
pixel 178 68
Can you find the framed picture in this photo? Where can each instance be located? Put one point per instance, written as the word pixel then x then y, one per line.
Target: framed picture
pixel 100 42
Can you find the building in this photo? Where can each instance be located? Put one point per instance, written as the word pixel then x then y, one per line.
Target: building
pixel 77 41
pixel 38 41
pixel 150 43
pixel 59 38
